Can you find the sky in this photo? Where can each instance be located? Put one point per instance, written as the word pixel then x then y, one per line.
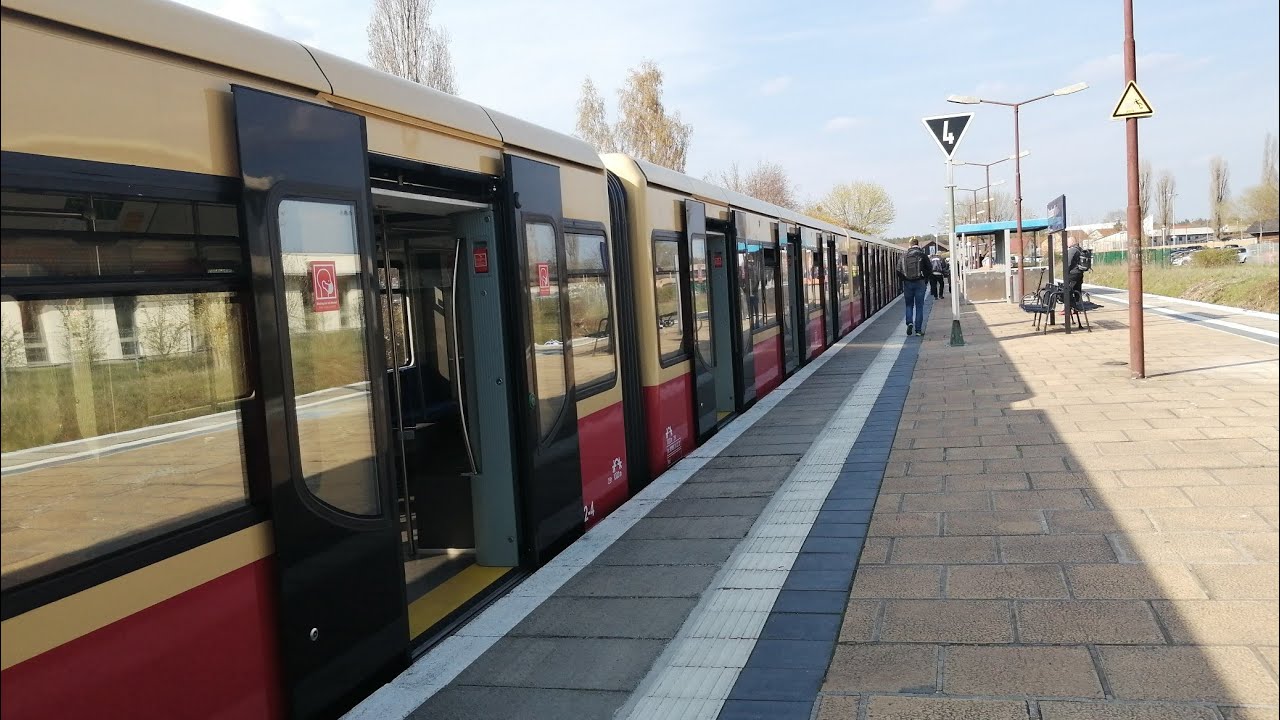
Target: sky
pixel 834 90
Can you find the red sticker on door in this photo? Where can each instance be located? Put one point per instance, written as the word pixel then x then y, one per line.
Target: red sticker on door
pixel 544 279
pixel 717 260
pixel 324 286
pixel 480 259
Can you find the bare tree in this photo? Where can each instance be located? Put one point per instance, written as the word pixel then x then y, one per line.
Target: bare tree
pixel 1144 196
pixel 768 182
pixel 645 130
pixel 1166 191
pixel 862 206
pixel 1219 194
pixel 593 124
pixel 164 327
pixel 403 42
pixel 1270 163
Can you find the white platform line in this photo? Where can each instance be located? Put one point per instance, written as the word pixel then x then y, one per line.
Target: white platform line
pixel 1189 316
pixel 697 670
pixel 438 667
pixel 1193 303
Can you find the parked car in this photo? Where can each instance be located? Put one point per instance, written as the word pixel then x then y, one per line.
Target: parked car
pixel 1243 253
pixel 1184 258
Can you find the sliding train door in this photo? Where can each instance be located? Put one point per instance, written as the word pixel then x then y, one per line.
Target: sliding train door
pixel 833 289
pixel 548 436
pixel 788 299
pixel 341 611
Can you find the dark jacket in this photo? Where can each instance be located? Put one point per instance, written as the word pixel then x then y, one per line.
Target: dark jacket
pixel 912 253
pixel 1073 262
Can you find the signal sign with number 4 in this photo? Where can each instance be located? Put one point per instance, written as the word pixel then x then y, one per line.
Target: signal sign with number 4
pixel 948 130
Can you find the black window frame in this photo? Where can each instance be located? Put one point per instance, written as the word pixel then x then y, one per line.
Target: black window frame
pixel 684 354
pixel 572 226
pixel 27 172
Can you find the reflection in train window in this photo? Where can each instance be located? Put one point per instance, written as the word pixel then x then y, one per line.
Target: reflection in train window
pixel 666 288
pixel 138 436
pixel 122 323
pixel 542 273
pixel 590 312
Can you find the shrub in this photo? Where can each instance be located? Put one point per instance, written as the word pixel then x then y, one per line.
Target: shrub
pixel 1216 257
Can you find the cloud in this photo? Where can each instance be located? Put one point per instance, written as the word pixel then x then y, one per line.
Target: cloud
pixel 946 7
pixel 776 85
pixel 841 122
pixel 1111 67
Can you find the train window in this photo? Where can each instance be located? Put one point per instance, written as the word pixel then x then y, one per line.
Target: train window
pixel 102 450
pixel 768 286
pixel 666 288
pixel 590 312
pixel 327 346
pixel 699 269
pixel 121 412
pixel 397 327
pixel 543 278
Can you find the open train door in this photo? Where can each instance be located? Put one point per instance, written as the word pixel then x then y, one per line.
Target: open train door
pixel 704 366
pixel 833 289
pixel 342 618
pixel 548 431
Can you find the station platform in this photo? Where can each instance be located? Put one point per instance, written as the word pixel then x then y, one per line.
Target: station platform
pixel 1012 529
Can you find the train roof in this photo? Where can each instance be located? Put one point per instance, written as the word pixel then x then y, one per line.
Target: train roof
pixel 669 178
pixel 173 28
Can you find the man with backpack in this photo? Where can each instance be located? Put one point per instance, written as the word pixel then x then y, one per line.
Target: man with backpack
pixel 937 275
pixel 1079 261
pixel 914 270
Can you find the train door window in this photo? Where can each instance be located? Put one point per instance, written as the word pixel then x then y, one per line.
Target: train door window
pixel 543 277
pixel 590 312
pixel 700 279
pixel 124 386
pixel 768 285
pixel 327 345
pixel 397 320
pixel 666 289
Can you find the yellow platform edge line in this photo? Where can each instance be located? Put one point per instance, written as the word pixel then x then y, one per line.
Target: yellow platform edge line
pixel 450 595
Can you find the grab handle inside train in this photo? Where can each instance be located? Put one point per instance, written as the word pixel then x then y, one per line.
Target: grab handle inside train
pixel 457 360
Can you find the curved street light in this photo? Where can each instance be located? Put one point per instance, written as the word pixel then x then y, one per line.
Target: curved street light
pixel 1017 157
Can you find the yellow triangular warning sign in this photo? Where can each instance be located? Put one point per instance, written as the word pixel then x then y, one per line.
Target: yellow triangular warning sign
pixel 1132 104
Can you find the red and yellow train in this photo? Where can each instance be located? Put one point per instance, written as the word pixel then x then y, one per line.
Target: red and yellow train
pixel 303 363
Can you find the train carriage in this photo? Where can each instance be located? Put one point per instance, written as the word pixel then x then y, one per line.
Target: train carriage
pixel 304 363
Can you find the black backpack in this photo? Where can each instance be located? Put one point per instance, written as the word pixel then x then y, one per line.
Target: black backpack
pixel 1083 261
pixel 915 265
pixel 938 267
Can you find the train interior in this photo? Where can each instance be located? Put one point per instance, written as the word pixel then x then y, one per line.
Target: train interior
pixel 425 267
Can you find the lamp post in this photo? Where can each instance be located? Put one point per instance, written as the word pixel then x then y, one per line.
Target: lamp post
pixel 975 191
pixel 987 168
pixel 1017 159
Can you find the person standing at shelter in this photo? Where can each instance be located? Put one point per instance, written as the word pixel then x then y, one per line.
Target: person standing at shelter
pixel 914 271
pixel 937 275
pixel 1076 267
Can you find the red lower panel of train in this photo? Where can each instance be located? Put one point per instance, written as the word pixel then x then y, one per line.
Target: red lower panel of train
pixel 669 413
pixel 817 335
pixel 768 363
pixel 601 437
pixel 210 651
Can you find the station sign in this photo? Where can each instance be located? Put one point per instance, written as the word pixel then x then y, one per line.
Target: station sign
pixel 1058 214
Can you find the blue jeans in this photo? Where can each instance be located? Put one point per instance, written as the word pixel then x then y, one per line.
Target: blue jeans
pixel 913 292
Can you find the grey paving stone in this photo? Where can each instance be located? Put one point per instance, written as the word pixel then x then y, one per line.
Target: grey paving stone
pixel 722 463
pixel 840 530
pixel 811 654
pixel 657 618
pixel 825 561
pixel 745 474
pixel 811 601
pixel 765 710
pixel 565 663
pixel 668 552
pixel 745 488
pixel 640 581
pixel 709 507
pixel 847 545
pixel 468 702
pixel 800 626
pixel 795 684
pixel 680 528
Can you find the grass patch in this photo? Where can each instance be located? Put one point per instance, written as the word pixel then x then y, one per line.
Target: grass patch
pixel 1252 287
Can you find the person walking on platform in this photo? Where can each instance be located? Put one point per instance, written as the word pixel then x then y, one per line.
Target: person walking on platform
pixel 913 271
pixel 937 275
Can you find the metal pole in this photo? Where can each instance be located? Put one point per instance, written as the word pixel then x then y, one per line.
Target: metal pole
pixel 1017 203
pixel 991 213
pixel 957 335
pixel 1137 349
